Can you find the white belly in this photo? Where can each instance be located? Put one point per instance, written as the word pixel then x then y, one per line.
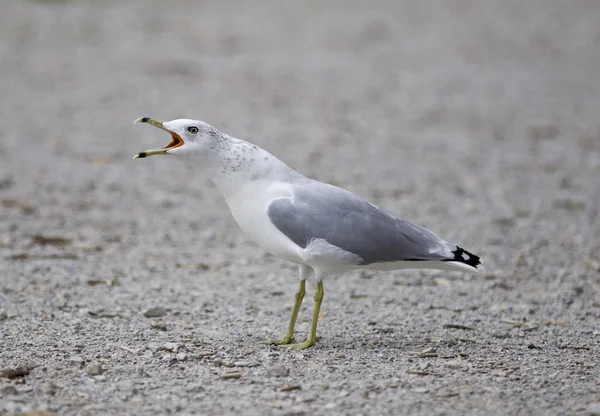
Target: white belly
pixel 249 209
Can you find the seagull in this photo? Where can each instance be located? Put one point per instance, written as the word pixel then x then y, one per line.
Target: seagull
pixel 320 227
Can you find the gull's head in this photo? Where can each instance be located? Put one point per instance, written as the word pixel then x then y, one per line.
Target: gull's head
pixel 188 137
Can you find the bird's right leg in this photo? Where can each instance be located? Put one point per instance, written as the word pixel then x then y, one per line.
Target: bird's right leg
pixel 289 336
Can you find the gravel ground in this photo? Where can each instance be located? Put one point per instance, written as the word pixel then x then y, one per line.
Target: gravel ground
pixel 478 120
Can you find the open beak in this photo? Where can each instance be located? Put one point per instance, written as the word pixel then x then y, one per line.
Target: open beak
pixel 176 141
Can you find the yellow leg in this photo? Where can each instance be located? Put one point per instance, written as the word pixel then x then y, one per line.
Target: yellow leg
pixel 312 337
pixel 287 339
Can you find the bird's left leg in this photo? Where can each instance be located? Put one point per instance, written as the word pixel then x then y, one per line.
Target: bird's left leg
pixel 312 336
pixel 289 336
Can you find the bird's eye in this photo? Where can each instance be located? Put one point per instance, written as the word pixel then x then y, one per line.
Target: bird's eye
pixel 192 129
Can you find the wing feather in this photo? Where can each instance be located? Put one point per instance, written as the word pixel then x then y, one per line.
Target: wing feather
pixel 317 210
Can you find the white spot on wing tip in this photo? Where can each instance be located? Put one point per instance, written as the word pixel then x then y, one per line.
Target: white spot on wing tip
pixel 465 256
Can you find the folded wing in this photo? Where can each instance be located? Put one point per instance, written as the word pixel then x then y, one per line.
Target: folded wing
pixel 322 211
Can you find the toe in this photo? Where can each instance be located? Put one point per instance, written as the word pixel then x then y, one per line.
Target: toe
pixel 300 346
pixel 276 341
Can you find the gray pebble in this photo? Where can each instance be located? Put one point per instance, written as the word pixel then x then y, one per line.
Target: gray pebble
pixel 160 325
pixel 245 364
pixel 450 341
pixel 76 360
pixel 209 235
pixel 10 390
pixel 593 409
pixel 277 371
pixel 155 312
pixel 194 388
pixel 94 369
pixel 170 346
pixel 50 389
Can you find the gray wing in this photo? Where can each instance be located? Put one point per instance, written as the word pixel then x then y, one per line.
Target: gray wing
pixel 318 210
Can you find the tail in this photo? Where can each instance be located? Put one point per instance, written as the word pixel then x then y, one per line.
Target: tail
pixel 465 261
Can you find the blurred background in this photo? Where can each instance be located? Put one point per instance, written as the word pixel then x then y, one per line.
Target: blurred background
pixel 452 113
pixel 478 120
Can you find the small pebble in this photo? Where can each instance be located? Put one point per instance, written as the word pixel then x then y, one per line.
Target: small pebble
pixel 182 356
pixel 94 369
pixel 450 341
pixel 142 373
pixel 290 387
pixel 277 371
pixel 194 388
pixel 160 325
pixel 76 360
pixel 245 364
pixel 50 389
pixel 593 409
pixel 231 376
pixel 10 390
pixel 209 235
pixel 454 364
pixel 170 346
pixel 167 358
pixel 155 312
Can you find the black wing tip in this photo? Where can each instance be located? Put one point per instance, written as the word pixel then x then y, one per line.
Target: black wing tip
pixel 463 256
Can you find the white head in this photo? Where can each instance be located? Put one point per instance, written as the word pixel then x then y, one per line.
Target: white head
pixel 188 137
pixel 231 161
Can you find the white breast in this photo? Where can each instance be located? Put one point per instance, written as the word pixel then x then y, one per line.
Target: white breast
pixel 249 209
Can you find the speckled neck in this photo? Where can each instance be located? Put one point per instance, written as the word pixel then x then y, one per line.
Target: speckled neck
pixel 238 162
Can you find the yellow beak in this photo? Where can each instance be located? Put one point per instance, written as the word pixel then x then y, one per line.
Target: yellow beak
pixel 176 140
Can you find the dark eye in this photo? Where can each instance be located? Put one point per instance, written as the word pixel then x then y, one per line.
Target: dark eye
pixel 192 129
